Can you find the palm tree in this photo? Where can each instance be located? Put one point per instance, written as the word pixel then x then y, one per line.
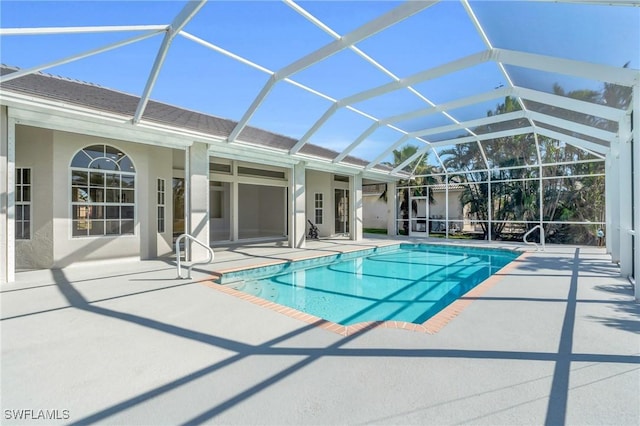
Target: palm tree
pixel 512 197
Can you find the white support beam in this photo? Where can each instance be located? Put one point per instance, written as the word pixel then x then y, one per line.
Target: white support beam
pixel 595 132
pixel 540 187
pixel 180 21
pixel 305 138
pixel 7 196
pixel 430 74
pixel 79 30
pixel 367 58
pixel 624 3
pixel 457 103
pixel 444 169
pixel 356 208
pixel 392 209
pixel 471 123
pixel 564 102
pixel 375 126
pixel 4 194
pixel 412 158
pixel 588 70
pixel 387 151
pixel 595 154
pixel 625 205
pixel 468 139
pixel 197 203
pixel 553 100
pixel 298 216
pixel 258 67
pixel 224 52
pixel 486 136
pixel 476 23
pixel 572 140
pixel 11 199
pixel 68 59
pixel 406 83
pixel 484 157
pixel 487 42
pixel 635 136
pixel 252 108
pixel 369 29
pixel 612 201
pixel 318 23
pixel 384 70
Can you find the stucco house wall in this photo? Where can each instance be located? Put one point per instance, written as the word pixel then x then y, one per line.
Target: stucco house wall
pixel 34 150
pixel 49 153
pixel 320 182
pixel 374 211
pixel 438 207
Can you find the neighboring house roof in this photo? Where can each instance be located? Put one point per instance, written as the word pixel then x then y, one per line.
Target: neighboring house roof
pixel 377 188
pixel 441 187
pixel 373 188
pixel 93 96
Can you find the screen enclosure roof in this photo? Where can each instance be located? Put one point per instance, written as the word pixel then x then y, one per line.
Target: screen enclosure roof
pixel 342 83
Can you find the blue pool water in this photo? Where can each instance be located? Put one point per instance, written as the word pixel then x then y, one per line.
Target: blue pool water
pixel 407 283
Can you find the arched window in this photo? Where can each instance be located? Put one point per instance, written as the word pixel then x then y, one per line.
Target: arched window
pixel 102 192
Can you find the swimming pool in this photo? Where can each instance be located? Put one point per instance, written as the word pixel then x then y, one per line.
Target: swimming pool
pixel 407 282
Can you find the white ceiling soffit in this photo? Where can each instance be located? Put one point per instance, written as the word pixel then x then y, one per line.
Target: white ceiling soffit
pixel 609 74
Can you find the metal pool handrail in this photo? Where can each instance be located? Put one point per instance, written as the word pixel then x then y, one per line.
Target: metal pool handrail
pixel 200 243
pixel 524 238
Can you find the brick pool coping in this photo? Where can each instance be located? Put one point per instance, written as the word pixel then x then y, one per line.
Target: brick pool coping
pixel 430 326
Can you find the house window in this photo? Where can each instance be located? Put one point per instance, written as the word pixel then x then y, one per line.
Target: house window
pixel 102 192
pixel 23 204
pixel 318 208
pixel 161 198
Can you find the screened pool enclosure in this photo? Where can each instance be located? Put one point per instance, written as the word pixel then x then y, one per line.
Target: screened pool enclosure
pixel 525 112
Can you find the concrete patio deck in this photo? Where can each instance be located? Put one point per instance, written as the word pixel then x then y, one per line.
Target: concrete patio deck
pixel 555 341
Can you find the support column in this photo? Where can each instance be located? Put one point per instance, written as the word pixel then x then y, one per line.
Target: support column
pixel 7 196
pixel 489 206
pixel 612 197
pixel 357 220
pixel 235 203
pixel 446 206
pixel 636 187
pixel 540 189
pixel 298 215
pixel 392 209
pixel 197 174
pixel 626 241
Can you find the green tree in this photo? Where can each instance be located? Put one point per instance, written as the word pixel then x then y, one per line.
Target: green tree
pixel 512 197
pixel 513 172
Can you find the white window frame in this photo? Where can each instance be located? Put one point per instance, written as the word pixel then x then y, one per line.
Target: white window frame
pixel 161 210
pixel 318 209
pixel 21 203
pixel 103 203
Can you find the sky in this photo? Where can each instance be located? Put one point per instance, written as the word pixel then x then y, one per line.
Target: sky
pixel 272 35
